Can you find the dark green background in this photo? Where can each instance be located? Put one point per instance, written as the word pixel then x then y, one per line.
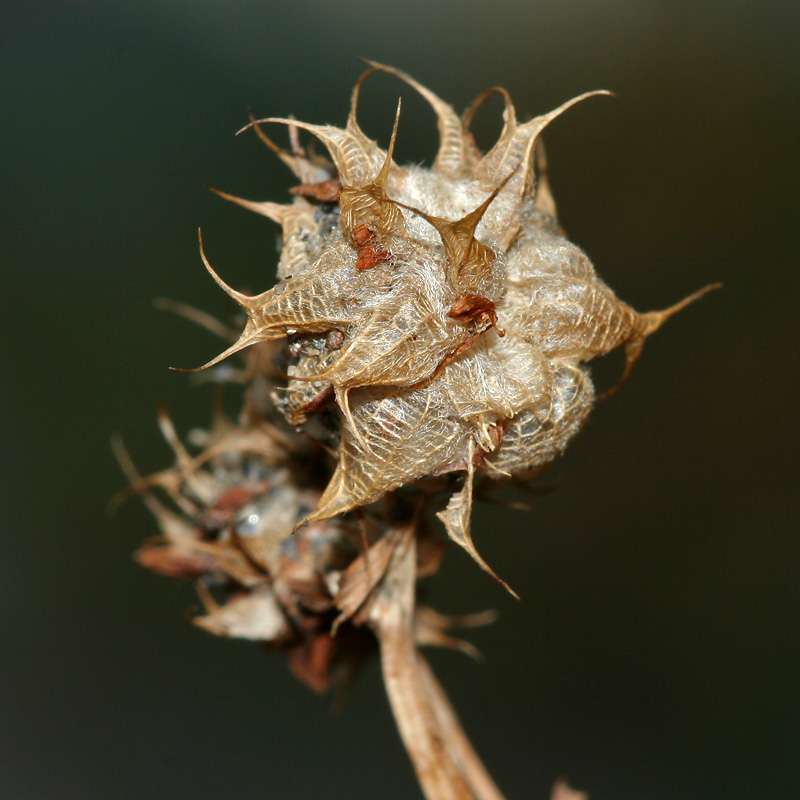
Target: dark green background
pixel 654 655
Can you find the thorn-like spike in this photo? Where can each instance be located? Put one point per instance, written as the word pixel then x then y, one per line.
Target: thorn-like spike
pixel 352 120
pixel 653 320
pixel 514 151
pixel 274 211
pixel 383 176
pixel 455 250
pixel 167 428
pixel 303 523
pixel 195 315
pixel 447 232
pixel 516 142
pixel 538 124
pixel 418 211
pixel 456 519
pixel 368 204
pixel 477 619
pixel 173 526
pixel 250 335
pixel 509 115
pixel 469 223
pixel 556 112
pixel 131 473
pixel 464 227
pixel 286 158
pixel 451 158
pixel 123 458
pixel 247 302
pixel 436 638
pixel 458 237
pixel 633 349
pixel 649 323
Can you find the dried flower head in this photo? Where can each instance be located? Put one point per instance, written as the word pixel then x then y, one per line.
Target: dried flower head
pixel 428 325
pixel 443 309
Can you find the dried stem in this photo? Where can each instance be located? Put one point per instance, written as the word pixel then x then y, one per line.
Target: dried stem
pixel 472 767
pixel 447 767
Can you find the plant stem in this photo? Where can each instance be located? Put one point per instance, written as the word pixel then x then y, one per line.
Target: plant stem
pixel 447 767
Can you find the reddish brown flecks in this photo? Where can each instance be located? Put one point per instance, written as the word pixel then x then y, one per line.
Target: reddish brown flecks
pixel 324 191
pixel 369 255
pixel 361 236
pixel 475 308
pixel 465 345
pixel 234 498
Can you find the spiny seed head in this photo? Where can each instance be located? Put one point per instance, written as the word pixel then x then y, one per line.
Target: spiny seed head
pixel 463 316
pixel 429 329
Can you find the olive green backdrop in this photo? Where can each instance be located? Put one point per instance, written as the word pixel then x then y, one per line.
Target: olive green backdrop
pixel 654 655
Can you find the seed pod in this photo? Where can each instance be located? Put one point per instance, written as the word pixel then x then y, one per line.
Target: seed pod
pixel 462 315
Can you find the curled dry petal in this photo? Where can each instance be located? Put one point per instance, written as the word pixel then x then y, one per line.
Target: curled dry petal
pixel 359 580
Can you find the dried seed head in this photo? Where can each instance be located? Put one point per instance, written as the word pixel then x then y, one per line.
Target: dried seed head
pixel 417 393
pixel 445 313
pixel 450 320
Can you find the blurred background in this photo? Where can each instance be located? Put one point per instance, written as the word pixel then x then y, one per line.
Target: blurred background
pixel 654 654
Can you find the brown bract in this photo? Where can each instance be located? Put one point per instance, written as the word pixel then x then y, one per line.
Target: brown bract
pixel 477 309
pixel 369 255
